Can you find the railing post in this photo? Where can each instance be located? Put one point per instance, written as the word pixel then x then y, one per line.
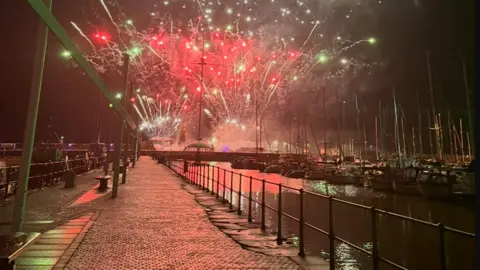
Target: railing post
pixel 279 216
pixel 208 177
pixel 218 181
pixel 263 206
pixel 331 234
pixel 213 180
pixel 301 251
pixel 443 257
pixel 231 190
pixel 185 166
pixel 197 175
pixel 239 210
pixel 250 201
pixel 203 176
pixel 374 239
pixel 224 178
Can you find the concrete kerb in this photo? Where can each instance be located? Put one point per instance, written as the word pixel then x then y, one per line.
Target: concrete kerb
pixel 307 262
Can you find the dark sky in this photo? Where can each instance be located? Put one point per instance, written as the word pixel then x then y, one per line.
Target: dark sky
pixel 443 27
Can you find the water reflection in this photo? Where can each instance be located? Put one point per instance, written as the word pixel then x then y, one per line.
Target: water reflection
pixel 403 242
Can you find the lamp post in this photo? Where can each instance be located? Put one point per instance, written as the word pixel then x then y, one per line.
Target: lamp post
pixel 199 135
pixel 30 127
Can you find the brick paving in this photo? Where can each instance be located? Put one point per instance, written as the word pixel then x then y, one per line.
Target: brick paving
pixel 55 247
pixel 155 224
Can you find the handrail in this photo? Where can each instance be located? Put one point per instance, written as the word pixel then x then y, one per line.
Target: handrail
pixel 47 173
pixel 197 176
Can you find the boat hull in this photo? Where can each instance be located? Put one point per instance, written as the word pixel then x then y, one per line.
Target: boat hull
pixel 436 191
pixel 344 180
pixel 380 185
pixel 407 189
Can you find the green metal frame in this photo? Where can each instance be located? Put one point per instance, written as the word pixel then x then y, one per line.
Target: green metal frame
pixel 52 23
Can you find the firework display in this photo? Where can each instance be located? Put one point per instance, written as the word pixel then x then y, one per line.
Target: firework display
pixel 238 58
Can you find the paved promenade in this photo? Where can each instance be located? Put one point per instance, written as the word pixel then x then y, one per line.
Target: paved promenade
pixel 155 224
pixel 45 208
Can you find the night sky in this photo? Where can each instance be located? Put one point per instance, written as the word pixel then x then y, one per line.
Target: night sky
pixel 405 30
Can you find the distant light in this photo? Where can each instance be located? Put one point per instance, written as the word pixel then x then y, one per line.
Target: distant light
pixel 66 54
pixel 322 58
pixel 130 22
pixel 372 40
pixel 118 96
pixel 343 61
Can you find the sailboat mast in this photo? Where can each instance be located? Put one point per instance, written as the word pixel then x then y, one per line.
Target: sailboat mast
pixel 358 127
pixel 403 137
pixel 450 134
pixel 413 142
pixel 343 128
pixel 440 135
pixel 324 123
pixel 376 137
pixel 305 133
pixel 365 142
pixel 290 144
pixel 396 130
pixel 432 101
pixel 467 96
pixel 380 119
pixel 469 148
pixel 297 148
pixel 256 122
pixel 432 151
pixel 315 140
pixel 461 141
pixel 419 119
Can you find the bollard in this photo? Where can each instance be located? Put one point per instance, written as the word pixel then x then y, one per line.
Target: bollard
pixel 443 258
pixel 224 178
pixel 301 251
pixel 263 206
pixel 218 181
pixel 250 201
pixel 239 210
pixel 331 234
pixel 231 190
pixel 374 239
pixel 279 215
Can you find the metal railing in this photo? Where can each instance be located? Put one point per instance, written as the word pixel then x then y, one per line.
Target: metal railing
pixel 46 174
pixel 199 175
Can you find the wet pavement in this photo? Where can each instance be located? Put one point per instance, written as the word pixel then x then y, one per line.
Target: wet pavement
pixel 154 223
pixel 46 208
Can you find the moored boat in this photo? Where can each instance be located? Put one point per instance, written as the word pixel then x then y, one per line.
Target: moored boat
pixel 437 186
pixel 412 189
pixel 337 179
pixel 273 169
pixel 238 163
pixel 296 174
pixel 315 175
pixel 379 182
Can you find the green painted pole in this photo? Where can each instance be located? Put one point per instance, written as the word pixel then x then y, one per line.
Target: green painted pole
pixel 119 135
pixel 126 134
pixel 30 128
pixel 135 153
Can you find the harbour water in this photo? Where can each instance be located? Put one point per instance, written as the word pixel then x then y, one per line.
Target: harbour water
pixel 406 243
